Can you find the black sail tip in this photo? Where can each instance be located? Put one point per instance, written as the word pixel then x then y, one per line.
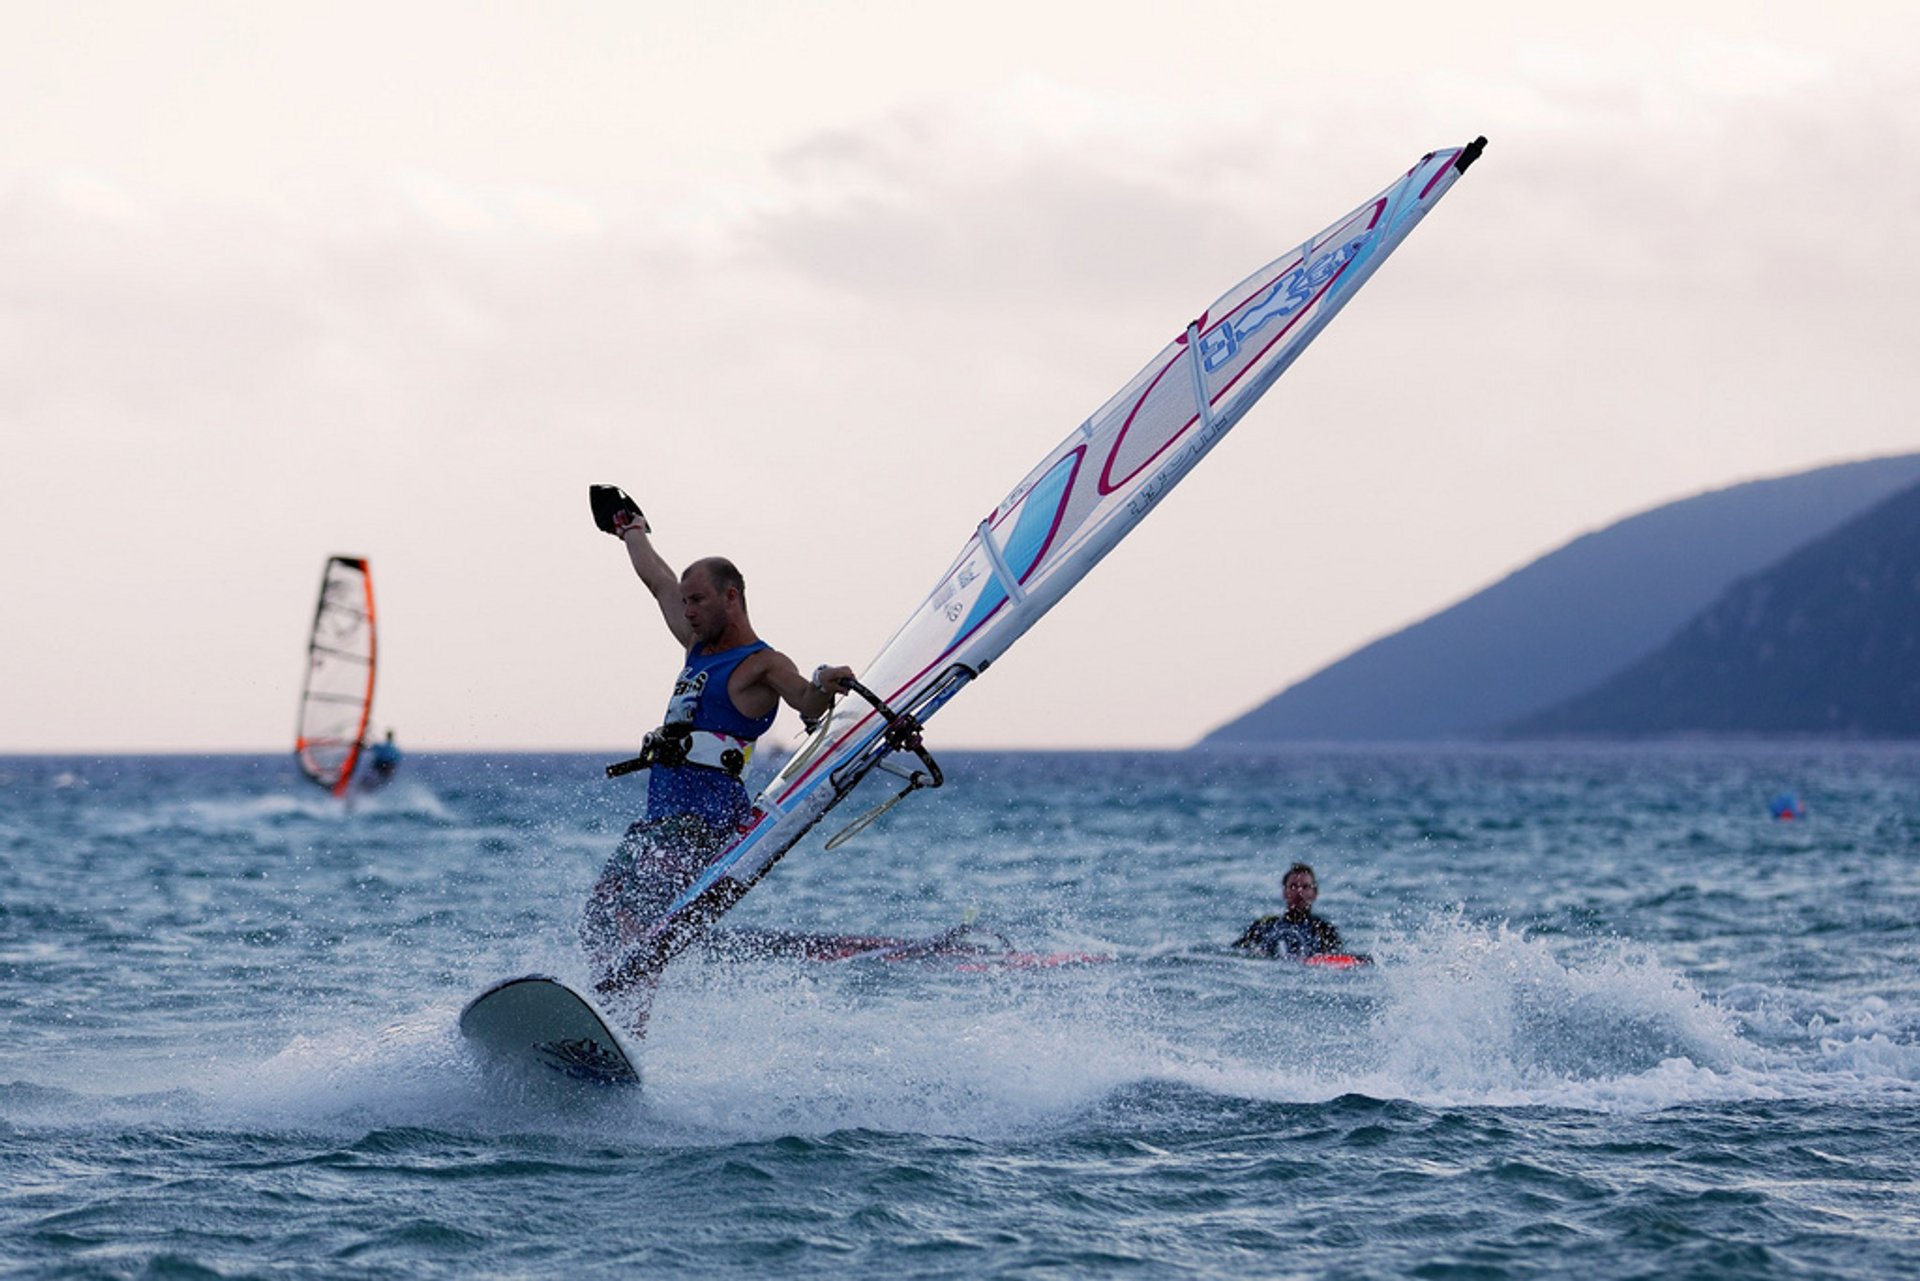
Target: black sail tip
pixel 1470 153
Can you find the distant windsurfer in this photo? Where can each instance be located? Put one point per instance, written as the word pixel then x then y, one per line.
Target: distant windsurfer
pixel 383 758
pixel 1296 933
pixel 725 698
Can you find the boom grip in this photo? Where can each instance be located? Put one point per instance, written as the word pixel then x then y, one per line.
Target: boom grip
pixel 902 733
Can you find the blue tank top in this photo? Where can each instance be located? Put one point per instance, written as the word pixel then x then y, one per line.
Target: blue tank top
pixel 700 699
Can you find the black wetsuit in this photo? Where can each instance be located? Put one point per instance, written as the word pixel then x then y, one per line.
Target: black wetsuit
pixel 1297 935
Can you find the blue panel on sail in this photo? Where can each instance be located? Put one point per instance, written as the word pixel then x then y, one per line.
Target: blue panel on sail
pixel 1039 517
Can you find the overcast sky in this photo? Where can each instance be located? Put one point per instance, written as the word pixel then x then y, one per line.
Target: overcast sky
pixel 818 282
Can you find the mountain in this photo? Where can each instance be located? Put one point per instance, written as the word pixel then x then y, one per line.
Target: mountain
pixel 1826 642
pixel 1569 620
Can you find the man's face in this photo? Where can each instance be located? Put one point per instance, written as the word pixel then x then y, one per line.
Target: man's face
pixel 1301 890
pixel 703 605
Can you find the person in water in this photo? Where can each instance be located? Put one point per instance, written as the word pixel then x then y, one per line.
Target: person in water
pixel 725 698
pixel 1296 933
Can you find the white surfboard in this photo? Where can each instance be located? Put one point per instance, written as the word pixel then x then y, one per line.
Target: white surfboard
pixel 540 1024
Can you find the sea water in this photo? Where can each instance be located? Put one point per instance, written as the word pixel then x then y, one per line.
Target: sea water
pixel 1622 1023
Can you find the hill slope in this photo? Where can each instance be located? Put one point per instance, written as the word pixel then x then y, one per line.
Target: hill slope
pixel 1569 620
pixel 1825 642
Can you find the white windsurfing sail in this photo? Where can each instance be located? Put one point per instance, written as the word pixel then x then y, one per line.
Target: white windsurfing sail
pixel 337 698
pixel 1058 522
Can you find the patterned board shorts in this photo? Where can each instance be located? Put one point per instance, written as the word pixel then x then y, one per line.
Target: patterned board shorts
pixel 656 860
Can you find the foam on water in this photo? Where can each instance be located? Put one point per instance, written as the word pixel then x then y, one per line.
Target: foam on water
pixel 225 815
pixel 764 1049
pixel 1456 1013
pixel 1477 1013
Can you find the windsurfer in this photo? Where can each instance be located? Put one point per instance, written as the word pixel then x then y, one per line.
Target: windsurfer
pixel 725 698
pixel 383 758
pixel 1296 933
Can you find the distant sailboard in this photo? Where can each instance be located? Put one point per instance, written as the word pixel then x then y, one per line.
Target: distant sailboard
pixel 337 698
pixel 1336 961
pixel 1054 526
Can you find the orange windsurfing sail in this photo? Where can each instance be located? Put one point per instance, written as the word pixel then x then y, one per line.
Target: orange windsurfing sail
pixel 338 696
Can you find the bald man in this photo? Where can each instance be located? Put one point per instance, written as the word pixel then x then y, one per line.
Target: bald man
pixel 724 699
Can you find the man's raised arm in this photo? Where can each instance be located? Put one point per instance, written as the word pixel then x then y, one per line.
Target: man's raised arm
pixel 620 516
pixel 659 579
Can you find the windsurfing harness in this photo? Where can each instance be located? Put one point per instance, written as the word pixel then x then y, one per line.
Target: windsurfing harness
pixel 702 727
pixel 681 744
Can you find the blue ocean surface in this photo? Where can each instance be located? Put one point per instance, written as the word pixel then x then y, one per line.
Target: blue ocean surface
pixel 1623 1023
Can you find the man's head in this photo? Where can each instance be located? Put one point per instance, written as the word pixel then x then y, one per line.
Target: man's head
pixel 1301 888
pixel 713 597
